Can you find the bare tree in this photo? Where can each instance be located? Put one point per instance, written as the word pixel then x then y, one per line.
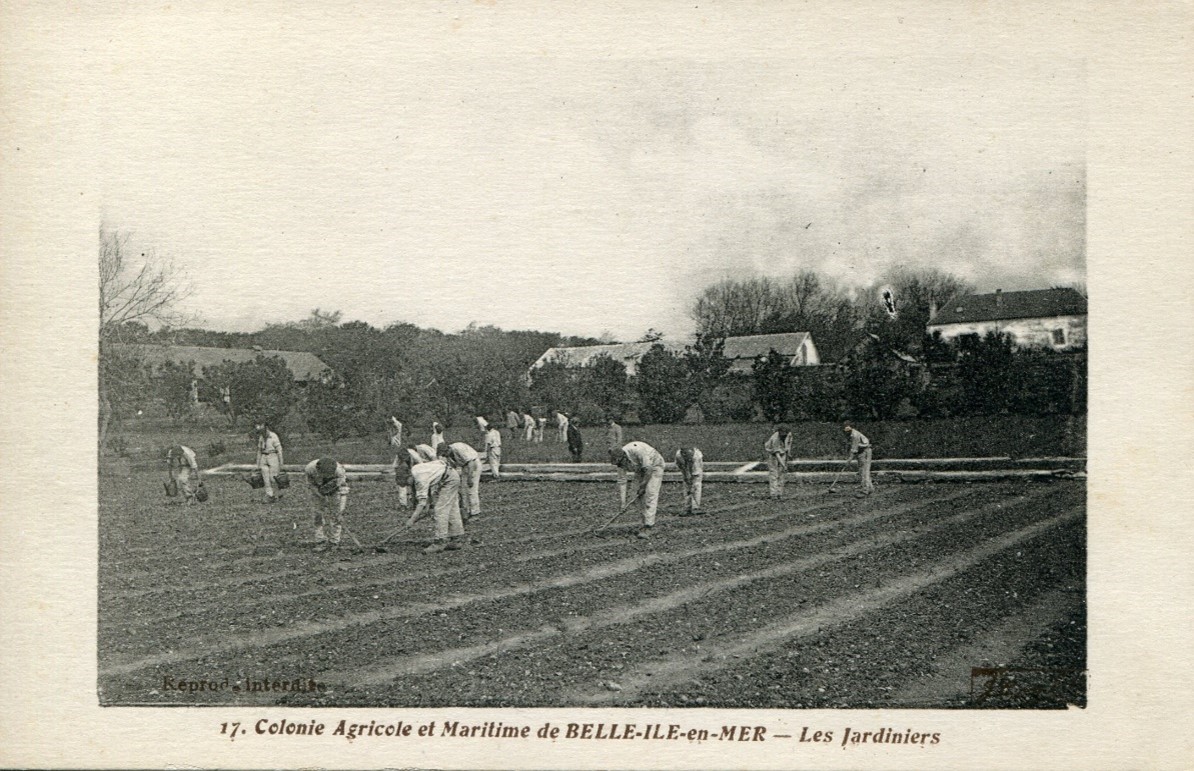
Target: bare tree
pixel 135 289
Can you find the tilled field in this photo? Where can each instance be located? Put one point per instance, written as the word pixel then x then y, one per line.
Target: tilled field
pixel 814 601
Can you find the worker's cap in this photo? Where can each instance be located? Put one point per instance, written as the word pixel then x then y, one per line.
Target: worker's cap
pixel 326 467
pixel 442 450
pixel 617 456
pixel 847 427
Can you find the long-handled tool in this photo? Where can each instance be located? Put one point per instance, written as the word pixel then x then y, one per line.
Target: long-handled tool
pixel 355 540
pixel 623 510
pixel 833 484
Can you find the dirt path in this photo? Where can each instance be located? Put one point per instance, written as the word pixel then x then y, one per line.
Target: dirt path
pixel 273 636
pixel 998 646
pixel 660 673
pixel 394 667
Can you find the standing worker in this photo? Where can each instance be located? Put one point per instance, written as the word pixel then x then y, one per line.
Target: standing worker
pixel 329 493
pixel 493 450
pixel 561 426
pixel 645 462
pixel 860 448
pixel 395 430
pixel 691 463
pixel 778 448
pixel 576 445
pixel 528 425
pixel 540 427
pixel 512 422
pixel 462 457
pixel 181 465
pixel 269 460
pixel 437 435
pixel 613 437
pixel 437 490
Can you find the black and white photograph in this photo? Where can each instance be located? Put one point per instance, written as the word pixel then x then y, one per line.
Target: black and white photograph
pixel 447 389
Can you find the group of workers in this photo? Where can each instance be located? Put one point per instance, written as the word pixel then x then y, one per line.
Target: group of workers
pixel 444 478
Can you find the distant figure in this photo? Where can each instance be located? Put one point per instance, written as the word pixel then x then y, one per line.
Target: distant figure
pixel 329 493
pixel 613 437
pixel 395 427
pixel 528 424
pixel 194 393
pixel 561 426
pixel 493 450
pixel 540 427
pixel 691 463
pixel 512 423
pixel 437 435
pixel 402 465
pixel 778 448
pixel 860 448
pixel 182 465
pixel 576 444
pixel 645 462
pixel 482 424
pixel 464 458
pixel 269 460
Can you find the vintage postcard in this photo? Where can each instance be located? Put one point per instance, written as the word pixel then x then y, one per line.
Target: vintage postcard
pixel 503 385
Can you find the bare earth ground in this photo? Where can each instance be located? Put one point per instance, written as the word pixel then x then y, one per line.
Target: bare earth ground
pixel 815 601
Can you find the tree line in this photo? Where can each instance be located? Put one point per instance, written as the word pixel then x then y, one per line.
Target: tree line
pixel 883 364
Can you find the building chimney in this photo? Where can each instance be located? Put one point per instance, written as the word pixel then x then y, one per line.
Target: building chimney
pixel 998 298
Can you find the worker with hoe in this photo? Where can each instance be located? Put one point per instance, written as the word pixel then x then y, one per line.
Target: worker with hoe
pixel 328 485
pixel 645 462
pixel 691 463
pixel 778 448
pixel 860 448
pixel 576 444
pixel 181 466
pixel 437 491
pixel 269 459
pixel 462 457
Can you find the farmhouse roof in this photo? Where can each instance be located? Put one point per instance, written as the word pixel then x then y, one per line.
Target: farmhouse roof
pixel 752 346
pixel 742 351
pixel 305 366
pixel 1000 306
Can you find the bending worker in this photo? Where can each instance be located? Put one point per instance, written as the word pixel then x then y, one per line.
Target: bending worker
pixel 437 490
pixel 528 424
pixel 329 493
pixel 561 426
pixel 493 450
pixel 860 448
pixel 645 462
pixel 181 465
pixel 269 460
pixel 462 457
pixel 778 448
pixel 691 463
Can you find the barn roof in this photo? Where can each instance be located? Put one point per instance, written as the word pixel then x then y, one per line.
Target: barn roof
pixel 752 346
pixel 1000 306
pixel 305 366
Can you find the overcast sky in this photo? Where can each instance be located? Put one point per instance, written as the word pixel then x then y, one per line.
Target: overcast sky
pixel 578 194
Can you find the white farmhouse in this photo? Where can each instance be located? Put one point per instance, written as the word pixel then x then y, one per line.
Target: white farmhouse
pixel 1046 318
